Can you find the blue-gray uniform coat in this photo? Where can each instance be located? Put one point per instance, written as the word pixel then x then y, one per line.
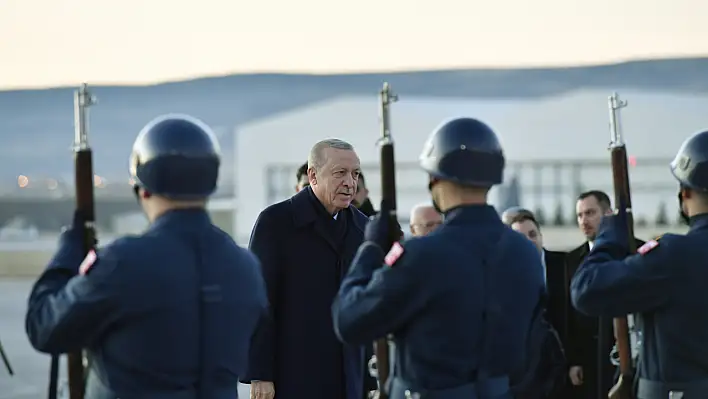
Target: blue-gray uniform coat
pixel 665 283
pixel 305 254
pixel 441 301
pixel 168 314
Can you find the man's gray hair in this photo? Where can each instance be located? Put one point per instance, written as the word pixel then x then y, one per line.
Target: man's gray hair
pixel 316 158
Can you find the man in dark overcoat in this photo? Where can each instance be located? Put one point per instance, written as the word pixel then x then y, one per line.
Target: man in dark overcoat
pixel 590 339
pixel 305 245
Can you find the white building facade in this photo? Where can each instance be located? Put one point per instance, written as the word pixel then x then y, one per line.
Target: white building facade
pixel 563 129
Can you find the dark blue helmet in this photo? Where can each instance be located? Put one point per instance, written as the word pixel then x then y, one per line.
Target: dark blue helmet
pixel 466 151
pixel 177 157
pixel 690 167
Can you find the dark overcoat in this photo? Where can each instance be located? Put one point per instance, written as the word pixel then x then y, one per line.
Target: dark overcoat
pixel 583 344
pixel 305 253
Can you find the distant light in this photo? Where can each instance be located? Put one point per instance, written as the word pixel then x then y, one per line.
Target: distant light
pixel 98 181
pixel 22 181
pixel 632 160
pixel 52 184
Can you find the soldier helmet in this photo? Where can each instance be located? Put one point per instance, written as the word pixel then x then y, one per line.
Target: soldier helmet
pixel 465 151
pixel 690 167
pixel 177 157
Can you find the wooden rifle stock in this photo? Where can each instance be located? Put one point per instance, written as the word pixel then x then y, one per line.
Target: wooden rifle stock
pixel 623 203
pixel 85 207
pixel 388 209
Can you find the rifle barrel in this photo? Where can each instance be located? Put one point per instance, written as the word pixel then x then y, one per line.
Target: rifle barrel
pixel 615 104
pixel 623 203
pixel 388 209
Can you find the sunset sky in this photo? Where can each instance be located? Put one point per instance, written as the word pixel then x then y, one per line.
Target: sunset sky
pixel 59 42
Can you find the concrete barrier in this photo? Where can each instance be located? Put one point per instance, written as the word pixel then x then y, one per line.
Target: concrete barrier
pixel 23 263
pixel 28 259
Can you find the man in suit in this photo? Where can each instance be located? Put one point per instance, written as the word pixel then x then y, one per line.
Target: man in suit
pixel 556 277
pixel 361 199
pixel 306 244
pixel 590 339
pixel 552 378
pixel 301 177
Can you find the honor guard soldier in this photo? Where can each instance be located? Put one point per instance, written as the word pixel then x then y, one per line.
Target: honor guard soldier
pixel 664 283
pixel 167 314
pixel 459 301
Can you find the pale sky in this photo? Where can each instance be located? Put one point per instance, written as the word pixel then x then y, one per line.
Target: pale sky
pixel 53 42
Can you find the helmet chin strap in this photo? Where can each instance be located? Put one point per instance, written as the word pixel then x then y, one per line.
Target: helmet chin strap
pixel 432 182
pixel 684 215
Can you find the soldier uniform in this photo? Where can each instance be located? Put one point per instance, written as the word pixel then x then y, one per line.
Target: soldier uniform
pixel 459 301
pixel 167 314
pixel 664 283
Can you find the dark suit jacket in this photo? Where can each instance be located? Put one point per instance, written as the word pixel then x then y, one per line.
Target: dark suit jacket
pixel 304 255
pixel 557 309
pixel 582 345
pixel 557 284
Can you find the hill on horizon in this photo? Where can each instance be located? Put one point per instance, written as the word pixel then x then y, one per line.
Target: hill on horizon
pixel 36 126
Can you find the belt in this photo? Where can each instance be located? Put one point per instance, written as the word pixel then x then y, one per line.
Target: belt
pixel 648 389
pixel 495 387
pixel 227 394
pixel 96 390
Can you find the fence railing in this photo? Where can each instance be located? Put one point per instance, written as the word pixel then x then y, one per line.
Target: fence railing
pixel 548 187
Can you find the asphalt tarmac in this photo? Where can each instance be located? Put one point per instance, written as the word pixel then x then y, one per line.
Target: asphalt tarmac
pixel 31 377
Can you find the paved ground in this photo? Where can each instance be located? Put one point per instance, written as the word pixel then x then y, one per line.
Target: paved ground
pixel 31 368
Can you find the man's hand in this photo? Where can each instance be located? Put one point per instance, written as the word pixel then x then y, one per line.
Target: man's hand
pixel 575 373
pixel 262 390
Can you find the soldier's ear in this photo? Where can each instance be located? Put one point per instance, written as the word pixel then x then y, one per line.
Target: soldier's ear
pixel 686 193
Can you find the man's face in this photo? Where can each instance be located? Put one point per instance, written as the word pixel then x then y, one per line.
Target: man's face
pixel 531 231
pixel 424 221
pixel 590 213
pixel 336 181
pixel 304 182
pixel 362 193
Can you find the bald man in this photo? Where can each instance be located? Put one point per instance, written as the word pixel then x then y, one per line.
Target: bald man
pixel 424 219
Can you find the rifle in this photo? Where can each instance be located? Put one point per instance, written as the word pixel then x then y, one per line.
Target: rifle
pixel 379 365
pixel 6 360
pixel 623 203
pixel 85 206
